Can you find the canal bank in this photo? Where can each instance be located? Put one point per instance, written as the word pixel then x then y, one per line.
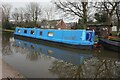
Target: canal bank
pixel 9 72
pixel 7 30
pixel 6 71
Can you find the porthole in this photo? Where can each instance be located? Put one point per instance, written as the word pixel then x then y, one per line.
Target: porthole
pixel 50 34
pixel 25 31
pixel 40 33
pixel 32 31
pixel 18 30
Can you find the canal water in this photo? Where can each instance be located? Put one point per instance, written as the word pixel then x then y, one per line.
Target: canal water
pixel 40 60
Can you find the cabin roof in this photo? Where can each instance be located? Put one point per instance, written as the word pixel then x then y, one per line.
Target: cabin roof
pixel 55 29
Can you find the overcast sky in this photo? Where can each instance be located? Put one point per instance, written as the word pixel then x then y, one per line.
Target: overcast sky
pixel 43 3
pixel 25 0
pixel 22 3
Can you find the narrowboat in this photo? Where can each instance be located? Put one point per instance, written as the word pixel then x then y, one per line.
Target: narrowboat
pixel 80 39
pixel 109 44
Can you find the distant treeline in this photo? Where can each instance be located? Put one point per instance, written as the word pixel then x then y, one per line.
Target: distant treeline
pixel 11 25
pixel 86 12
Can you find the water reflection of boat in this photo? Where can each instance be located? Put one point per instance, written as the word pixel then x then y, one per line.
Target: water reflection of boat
pixel 60 54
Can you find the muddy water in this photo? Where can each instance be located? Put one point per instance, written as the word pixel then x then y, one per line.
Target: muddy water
pixel 39 60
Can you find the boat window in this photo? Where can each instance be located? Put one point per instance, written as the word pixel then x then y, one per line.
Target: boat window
pixel 18 30
pixel 50 34
pixel 25 31
pixel 32 31
pixel 40 32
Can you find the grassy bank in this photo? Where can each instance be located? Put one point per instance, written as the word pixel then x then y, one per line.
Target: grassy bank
pixel 9 72
pixel 6 30
pixel 115 39
pixel 114 33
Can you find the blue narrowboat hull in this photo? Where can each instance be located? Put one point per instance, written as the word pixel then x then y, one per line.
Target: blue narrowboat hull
pixel 42 41
pixel 74 39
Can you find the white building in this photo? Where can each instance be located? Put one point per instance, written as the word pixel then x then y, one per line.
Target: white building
pixel 114 28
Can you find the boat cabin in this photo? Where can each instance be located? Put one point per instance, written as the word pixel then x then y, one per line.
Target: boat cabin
pixel 74 37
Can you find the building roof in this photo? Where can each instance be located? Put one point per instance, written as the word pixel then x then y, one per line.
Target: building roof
pixel 50 22
pixel 72 24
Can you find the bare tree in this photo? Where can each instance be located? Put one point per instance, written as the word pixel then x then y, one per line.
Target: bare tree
pixel 6 8
pixel 18 16
pixel 77 8
pixel 108 7
pixel 50 13
pixel 110 12
pixel 21 14
pixel 118 16
pixel 27 17
pixel 15 15
pixel 0 15
pixel 34 10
